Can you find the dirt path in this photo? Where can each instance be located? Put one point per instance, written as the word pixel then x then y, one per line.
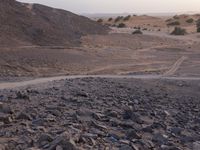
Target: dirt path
pixel 175 66
pixel 11 85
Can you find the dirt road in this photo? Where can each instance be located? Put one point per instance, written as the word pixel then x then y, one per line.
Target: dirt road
pixel 11 85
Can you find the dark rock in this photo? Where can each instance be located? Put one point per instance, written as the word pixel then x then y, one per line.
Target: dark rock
pixel 131 134
pixel 159 139
pixel 23 116
pixel 5 118
pixel 166 147
pixel 196 145
pixel 175 130
pixel 63 141
pixel 44 139
pixel 125 147
pixel 20 95
pixel 186 139
pixel 148 129
pixel 5 109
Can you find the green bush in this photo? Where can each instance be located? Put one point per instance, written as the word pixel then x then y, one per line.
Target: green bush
pixel 179 31
pixel 176 17
pixel 127 18
pixel 110 19
pixel 175 23
pixel 198 25
pixel 190 20
pixel 121 25
pixel 100 20
pixel 137 32
pixel 119 18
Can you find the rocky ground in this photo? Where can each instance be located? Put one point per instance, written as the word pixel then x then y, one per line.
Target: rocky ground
pixel 94 113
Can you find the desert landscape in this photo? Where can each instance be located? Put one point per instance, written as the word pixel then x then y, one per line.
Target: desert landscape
pixel 68 82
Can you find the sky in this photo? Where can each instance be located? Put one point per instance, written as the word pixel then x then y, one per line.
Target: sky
pixel 122 6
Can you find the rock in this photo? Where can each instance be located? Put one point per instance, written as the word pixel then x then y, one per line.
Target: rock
pixel 131 134
pixel 44 139
pixel 186 139
pixel 112 113
pixel 23 116
pixel 175 130
pixel 38 122
pixel 5 109
pixel 63 141
pixel 3 147
pixel 129 113
pixel 148 129
pixel 5 118
pixel 116 134
pixel 196 145
pixel 82 94
pixel 125 147
pixel 166 147
pixel 159 139
pixel 20 95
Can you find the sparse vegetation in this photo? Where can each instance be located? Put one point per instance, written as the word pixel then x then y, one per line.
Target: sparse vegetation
pixel 176 17
pixel 110 19
pixel 175 23
pixel 137 32
pixel 127 18
pixel 179 31
pixel 191 20
pixel 169 20
pixel 198 25
pixel 121 25
pixel 100 20
pixel 119 18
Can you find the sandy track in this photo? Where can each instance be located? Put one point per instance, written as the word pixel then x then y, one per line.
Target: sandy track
pixel 175 66
pixel 11 85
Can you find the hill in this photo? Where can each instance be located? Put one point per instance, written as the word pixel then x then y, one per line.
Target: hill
pixel 26 24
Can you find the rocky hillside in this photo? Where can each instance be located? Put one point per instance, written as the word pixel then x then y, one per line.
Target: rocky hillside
pixel 22 24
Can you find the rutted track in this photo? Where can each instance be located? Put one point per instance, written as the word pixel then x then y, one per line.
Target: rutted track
pixel 175 66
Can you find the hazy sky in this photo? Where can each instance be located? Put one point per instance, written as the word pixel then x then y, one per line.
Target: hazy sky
pixel 122 6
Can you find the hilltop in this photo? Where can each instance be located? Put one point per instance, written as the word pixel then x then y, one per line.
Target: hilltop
pixel 27 24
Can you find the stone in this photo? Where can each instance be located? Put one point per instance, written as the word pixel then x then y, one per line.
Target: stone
pixel 44 139
pixel 64 142
pixel 196 145
pixel 20 95
pixel 176 130
pixel 23 116
pixel 131 134
pixel 159 139
pixel 125 147
pixel 5 109
pixel 5 118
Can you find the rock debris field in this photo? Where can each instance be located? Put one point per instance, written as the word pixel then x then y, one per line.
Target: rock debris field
pixel 103 114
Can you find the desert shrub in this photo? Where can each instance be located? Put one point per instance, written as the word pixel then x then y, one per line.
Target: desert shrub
pixel 100 20
pixel 169 20
pixel 191 20
pixel 179 31
pixel 127 18
pixel 110 19
pixel 176 17
pixel 137 32
pixel 119 18
pixel 198 25
pixel 121 25
pixel 145 29
pixel 175 23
